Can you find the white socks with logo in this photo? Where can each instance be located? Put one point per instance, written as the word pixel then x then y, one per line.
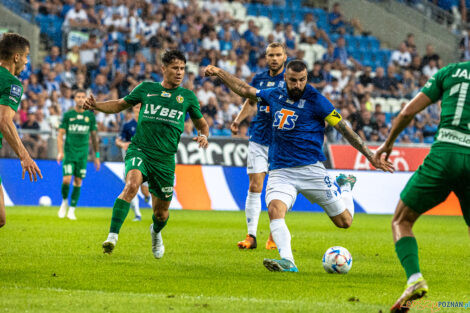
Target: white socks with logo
pixel 281 236
pixel 252 211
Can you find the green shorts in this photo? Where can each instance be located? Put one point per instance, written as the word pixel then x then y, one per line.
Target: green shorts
pixel 440 173
pixel 160 176
pixel 74 167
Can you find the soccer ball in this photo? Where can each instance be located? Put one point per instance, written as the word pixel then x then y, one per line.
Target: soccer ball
pixel 45 201
pixel 337 260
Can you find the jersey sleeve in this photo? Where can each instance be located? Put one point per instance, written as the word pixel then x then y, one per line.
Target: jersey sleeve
pixel 11 95
pixel 263 94
pixel 64 122
pixel 136 95
pixel 327 111
pixel 194 109
pixel 93 122
pixel 433 88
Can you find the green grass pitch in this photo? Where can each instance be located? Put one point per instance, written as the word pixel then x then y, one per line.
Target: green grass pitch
pixel 53 265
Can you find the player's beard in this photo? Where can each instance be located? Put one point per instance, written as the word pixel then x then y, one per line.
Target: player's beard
pixel 295 94
pixel 275 69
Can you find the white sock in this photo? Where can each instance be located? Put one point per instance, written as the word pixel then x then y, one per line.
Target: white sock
pixel 71 210
pixel 252 211
pixel 112 236
pixel 414 278
pixel 135 206
pixel 346 194
pixel 281 236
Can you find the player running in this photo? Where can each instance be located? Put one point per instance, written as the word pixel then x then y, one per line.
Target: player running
pixel 14 51
pixel 123 141
pixel 77 125
pixel 151 154
pixel 260 138
pixel 299 112
pixel 445 169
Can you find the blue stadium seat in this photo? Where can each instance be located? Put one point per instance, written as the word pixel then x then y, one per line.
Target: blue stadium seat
pixel 334 37
pixel 373 43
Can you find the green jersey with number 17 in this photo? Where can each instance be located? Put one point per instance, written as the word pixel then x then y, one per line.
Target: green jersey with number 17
pixel 161 118
pixel 11 91
pixel 452 83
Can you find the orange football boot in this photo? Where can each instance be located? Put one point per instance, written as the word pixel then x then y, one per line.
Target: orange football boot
pixel 248 243
pixel 270 244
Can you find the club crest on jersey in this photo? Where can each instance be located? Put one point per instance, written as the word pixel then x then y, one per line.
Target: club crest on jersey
pixel 281 84
pixel 285 119
pixel 270 84
pixel 301 103
pixel 15 91
pixel 166 94
pixel 87 119
pixel 179 99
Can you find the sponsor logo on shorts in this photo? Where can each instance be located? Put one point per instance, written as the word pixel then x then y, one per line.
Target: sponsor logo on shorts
pixel 167 189
pixel 454 136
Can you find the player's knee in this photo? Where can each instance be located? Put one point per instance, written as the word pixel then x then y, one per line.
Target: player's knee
pixel 131 189
pixel 256 187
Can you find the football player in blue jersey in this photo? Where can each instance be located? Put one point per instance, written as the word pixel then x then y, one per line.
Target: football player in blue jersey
pixel 299 113
pixel 260 137
pixel 123 141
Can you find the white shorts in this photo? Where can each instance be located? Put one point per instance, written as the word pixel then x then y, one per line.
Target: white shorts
pixel 312 181
pixel 257 158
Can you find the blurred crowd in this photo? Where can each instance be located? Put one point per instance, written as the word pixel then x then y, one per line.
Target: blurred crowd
pixel 136 32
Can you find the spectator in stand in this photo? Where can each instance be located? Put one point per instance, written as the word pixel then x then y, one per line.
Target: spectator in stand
pixel 382 84
pixel 401 57
pixel 76 17
pixel 308 28
pixel 333 91
pixel 278 33
pixel 394 81
pixel 206 93
pixel 465 46
pixel 291 39
pixel 211 42
pixel 52 83
pixel 365 81
pixel 430 69
pixel 410 44
pixel 338 22
pixel 100 85
pixel 366 126
pixel 431 55
pixel 30 140
pixel 53 57
pixel 316 77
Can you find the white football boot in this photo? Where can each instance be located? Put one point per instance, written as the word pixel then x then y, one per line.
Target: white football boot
pixel 63 208
pixel 110 243
pixel 158 248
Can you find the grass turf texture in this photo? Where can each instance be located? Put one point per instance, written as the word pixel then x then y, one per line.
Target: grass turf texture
pixel 49 264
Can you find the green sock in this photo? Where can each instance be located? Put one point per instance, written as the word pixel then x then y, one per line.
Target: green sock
pixel 65 191
pixel 75 196
pixel 120 210
pixel 407 252
pixel 158 225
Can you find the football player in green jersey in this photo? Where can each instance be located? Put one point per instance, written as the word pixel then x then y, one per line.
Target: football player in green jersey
pixel 77 125
pixel 445 169
pixel 14 50
pixel 151 154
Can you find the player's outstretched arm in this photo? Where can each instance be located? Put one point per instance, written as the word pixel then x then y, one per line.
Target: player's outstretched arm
pixel 236 85
pixel 246 111
pixel 416 105
pixel 8 129
pixel 96 147
pixel 359 144
pixel 203 132
pixel 112 106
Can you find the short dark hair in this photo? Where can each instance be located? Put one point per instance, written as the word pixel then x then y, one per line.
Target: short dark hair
pixel 296 65
pixel 170 55
pixel 79 91
pixel 274 45
pixel 11 44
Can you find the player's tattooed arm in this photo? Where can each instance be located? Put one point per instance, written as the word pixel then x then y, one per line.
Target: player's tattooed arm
pixel 356 141
pixel 235 84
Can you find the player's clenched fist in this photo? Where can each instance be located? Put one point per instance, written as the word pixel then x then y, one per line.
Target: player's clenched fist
pixel 90 103
pixel 211 70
